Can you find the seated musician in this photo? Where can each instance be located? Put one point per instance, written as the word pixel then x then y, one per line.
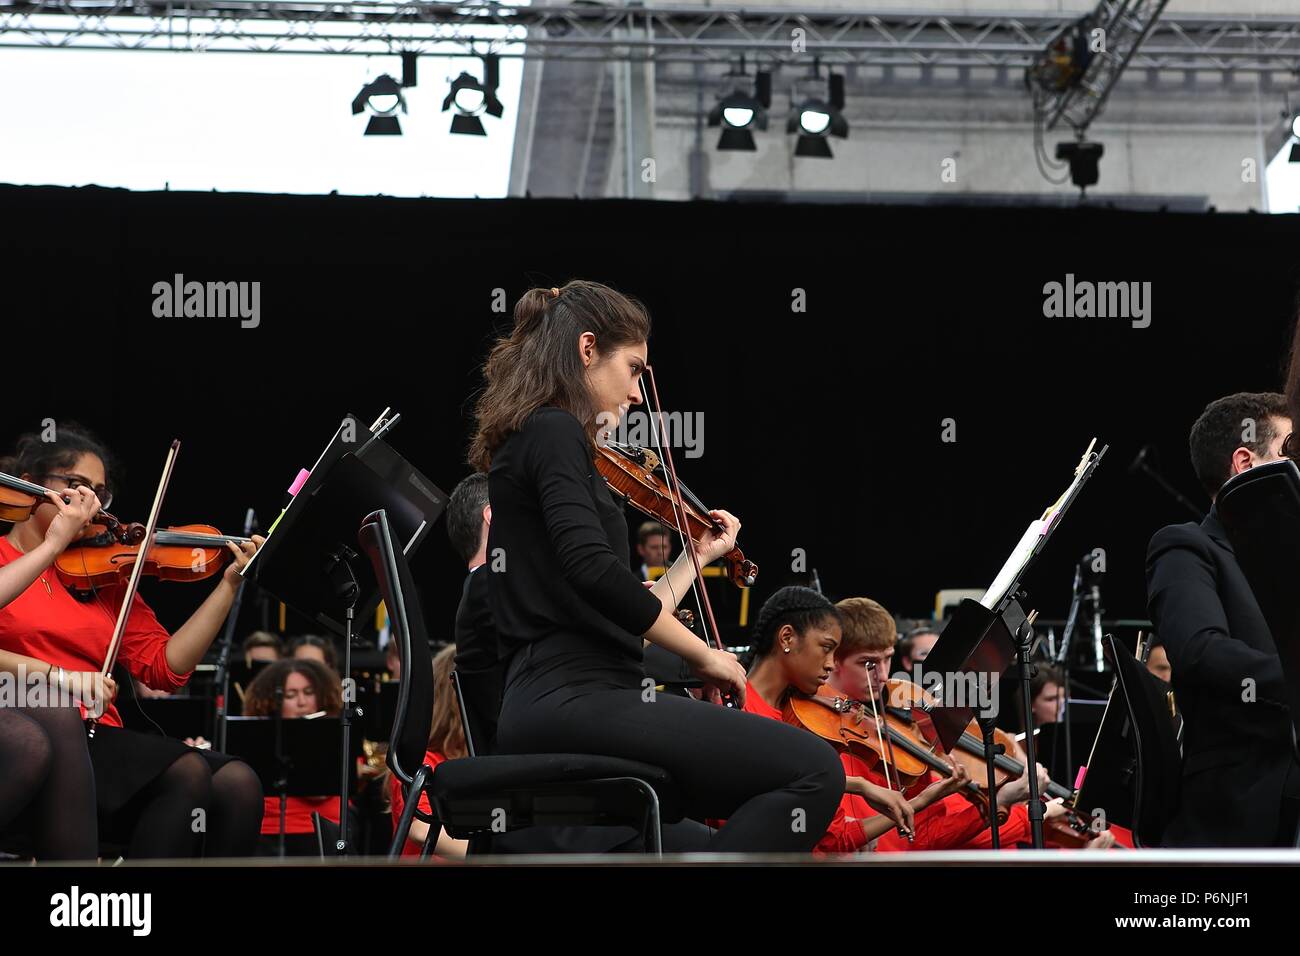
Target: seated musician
pixel 795 639
pixel 309 688
pixel 313 647
pixel 446 742
pixel 262 646
pixel 1240 783
pixel 147 786
pixel 953 822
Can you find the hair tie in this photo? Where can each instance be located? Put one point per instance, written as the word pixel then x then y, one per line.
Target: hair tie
pixel 555 293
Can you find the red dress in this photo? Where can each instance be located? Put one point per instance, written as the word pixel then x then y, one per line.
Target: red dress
pixel 48 623
pixel 431 758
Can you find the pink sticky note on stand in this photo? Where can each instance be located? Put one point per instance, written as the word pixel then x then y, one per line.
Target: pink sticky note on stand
pixel 303 475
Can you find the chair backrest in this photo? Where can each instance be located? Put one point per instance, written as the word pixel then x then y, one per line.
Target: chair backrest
pixel 1260 511
pixel 1159 758
pixel 409 740
pixel 468 723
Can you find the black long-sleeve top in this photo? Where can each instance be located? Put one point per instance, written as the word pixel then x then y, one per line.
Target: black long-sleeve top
pixel 557 545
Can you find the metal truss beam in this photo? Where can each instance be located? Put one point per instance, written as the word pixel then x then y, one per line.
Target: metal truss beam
pixel 588 31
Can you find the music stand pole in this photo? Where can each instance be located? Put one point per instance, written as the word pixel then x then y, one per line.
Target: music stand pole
pixel 991 748
pixel 282 781
pixel 1025 640
pixel 349 702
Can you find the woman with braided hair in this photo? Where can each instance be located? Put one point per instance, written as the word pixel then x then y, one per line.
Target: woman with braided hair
pixel 572 617
pixel 794 641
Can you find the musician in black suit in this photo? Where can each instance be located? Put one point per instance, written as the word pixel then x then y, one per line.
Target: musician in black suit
pixel 1240 784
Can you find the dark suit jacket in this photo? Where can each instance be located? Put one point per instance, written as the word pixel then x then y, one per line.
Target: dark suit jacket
pixel 1236 752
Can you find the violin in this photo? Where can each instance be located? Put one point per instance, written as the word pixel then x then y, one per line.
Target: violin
pixel 893 746
pixel 1069 831
pixel 634 474
pixel 19 498
pixel 189 552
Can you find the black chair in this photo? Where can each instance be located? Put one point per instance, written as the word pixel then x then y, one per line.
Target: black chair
pixel 478 796
pixel 1158 771
pixel 409 740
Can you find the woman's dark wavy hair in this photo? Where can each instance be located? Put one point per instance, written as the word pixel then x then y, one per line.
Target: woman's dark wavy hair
pixel 799 607
pixel 538 363
pixel 36 456
pixel 259 699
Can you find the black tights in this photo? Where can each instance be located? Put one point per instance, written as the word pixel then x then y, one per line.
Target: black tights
pixel 47 787
pixel 189 810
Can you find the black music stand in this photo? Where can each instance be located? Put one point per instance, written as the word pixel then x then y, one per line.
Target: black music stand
pixel 309 559
pixel 179 717
pixel 982 642
pixel 292 758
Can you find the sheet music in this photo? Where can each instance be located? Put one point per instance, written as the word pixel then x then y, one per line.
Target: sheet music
pixel 1024 549
pixel 1020 555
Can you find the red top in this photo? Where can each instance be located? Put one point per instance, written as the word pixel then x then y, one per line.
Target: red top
pixel 297 813
pixel 944 825
pixel 844 835
pixel 431 758
pixel 757 705
pixel 48 623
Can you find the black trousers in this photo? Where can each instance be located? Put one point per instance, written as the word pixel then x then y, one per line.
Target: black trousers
pixel 776 786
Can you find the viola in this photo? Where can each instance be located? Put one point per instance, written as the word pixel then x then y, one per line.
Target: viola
pixel 636 475
pixel 189 552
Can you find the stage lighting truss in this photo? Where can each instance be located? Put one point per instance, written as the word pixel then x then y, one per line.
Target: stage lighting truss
pixel 1232 45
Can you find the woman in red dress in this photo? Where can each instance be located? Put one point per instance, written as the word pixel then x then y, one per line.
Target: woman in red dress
pixel 156 796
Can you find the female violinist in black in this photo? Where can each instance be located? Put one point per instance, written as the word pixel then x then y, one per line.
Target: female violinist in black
pixel 574 616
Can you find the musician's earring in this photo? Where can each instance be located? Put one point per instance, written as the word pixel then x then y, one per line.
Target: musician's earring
pixel 787 648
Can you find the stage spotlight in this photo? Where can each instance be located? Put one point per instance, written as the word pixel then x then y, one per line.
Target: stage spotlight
pixel 471 97
pixel 1083 158
pixel 740 112
pixel 1295 125
pixel 814 120
pixel 383 98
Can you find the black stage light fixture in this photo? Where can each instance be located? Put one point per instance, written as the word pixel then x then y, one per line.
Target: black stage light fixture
pixel 472 96
pixel 740 112
pixel 383 98
pixel 1083 158
pixel 815 119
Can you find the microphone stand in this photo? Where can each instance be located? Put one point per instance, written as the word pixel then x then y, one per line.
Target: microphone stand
pixel 1140 464
pixel 222 681
pixel 1063 662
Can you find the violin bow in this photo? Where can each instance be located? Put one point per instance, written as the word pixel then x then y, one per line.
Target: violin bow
pixel 701 593
pixel 137 569
pixel 886 747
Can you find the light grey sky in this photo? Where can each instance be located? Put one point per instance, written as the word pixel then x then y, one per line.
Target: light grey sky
pixel 255 122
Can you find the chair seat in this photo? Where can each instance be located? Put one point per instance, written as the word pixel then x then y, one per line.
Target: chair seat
pixel 544 789
pixel 470 775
